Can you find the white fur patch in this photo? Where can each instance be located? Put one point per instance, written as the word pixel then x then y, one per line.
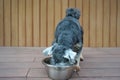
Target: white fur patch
pixel 70 55
pixel 48 51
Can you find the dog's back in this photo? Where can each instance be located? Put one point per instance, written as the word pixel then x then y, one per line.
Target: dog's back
pixel 68 30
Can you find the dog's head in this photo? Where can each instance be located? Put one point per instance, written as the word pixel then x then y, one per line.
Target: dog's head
pixel 61 54
pixel 73 12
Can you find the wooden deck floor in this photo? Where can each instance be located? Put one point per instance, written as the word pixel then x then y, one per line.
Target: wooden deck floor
pixel 25 64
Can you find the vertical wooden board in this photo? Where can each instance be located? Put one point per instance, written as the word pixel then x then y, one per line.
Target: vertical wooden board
pixel 22 23
pixel 99 26
pixel 43 23
pixel 36 37
pixel 50 25
pixel 1 23
pixel 29 32
pixel 7 21
pixel 39 22
pixel 72 3
pixel 64 7
pixel 79 5
pixel 118 24
pixel 14 26
pixel 92 23
pixel 113 24
pixel 106 23
pixel 57 11
pixel 86 22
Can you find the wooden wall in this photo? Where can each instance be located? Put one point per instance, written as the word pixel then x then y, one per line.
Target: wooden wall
pixel 32 22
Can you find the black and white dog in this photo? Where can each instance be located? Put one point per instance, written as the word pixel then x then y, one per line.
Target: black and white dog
pixel 68 41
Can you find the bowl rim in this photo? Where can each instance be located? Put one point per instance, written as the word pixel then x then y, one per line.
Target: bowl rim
pixel 56 66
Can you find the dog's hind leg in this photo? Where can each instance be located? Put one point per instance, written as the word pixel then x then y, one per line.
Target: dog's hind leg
pixel 77 67
pixel 81 56
pixel 78 50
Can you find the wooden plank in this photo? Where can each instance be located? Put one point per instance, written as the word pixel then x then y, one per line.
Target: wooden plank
pixel 86 22
pixel 106 24
pixel 92 23
pixel 79 5
pixel 29 33
pixel 13 72
pixel 118 24
pixel 72 3
pixel 21 65
pixel 14 27
pixel 99 27
pixel 37 73
pixel 57 11
pixel 64 7
pixel 1 24
pixel 50 25
pixel 113 24
pixel 12 78
pixel 101 55
pixel 95 78
pixel 7 23
pixel 43 23
pixel 36 28
pixel 98 65
pixel 21 23
pixel 115 72
pixel 103 60
pixel 16 59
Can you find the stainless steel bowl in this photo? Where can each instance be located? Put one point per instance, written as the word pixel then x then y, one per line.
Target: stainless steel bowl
pixel 58 72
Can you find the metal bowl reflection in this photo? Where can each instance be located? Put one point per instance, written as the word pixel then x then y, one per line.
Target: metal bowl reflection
pixel 57 72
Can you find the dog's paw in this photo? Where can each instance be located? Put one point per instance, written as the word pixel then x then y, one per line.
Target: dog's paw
pixel 77 68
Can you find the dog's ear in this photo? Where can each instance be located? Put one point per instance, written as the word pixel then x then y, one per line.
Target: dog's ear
pixel 48 51
pixel 70 55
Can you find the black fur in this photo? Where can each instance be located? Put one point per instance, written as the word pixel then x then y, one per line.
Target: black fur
pixel 68 33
